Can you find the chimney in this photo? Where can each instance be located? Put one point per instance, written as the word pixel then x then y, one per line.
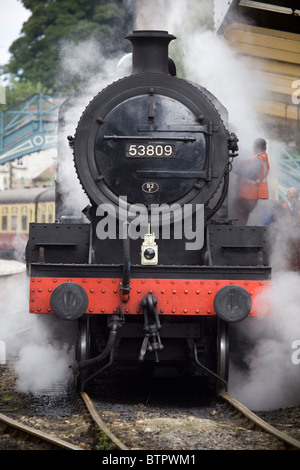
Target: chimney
pixel 150 51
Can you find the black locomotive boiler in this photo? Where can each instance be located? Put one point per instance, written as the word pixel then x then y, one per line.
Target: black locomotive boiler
pixel 157 273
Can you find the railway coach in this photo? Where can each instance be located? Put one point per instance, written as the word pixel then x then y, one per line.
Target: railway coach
pixel 18 208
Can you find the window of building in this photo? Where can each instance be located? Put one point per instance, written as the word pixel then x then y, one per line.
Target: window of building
pixel 4 222
pixel 24 222
pixel 14 222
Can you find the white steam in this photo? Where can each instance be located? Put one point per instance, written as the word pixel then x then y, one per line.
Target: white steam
pixel 40 360
pixel 86 65
pixel 41 368
pixel 273 378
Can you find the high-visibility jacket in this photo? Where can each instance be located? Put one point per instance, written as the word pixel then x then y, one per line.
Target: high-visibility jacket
pixel 256 188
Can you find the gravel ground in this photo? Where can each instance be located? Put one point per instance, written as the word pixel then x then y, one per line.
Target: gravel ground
pixel 152 428
pixel 152 415
pixel 156 415
pixel 286 420
pixel 52 414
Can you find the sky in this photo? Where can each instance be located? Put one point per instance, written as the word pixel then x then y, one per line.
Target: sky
pixel 12 16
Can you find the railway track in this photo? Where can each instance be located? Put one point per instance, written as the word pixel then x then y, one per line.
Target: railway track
pixel 150 422
pixel 254 422
pixel 40 438
pixel 101 424
pixel 260 423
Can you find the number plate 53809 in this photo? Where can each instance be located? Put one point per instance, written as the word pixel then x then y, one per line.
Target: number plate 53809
pixel 149 150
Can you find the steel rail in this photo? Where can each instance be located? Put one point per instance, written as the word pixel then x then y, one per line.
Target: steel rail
pixel 36 434
pixel 260 422
pixel 99 422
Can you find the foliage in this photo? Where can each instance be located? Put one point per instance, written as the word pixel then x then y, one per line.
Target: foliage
pixel 36 53
pixel 104 442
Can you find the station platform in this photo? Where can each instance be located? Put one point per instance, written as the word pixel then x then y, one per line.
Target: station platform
pixel 10 267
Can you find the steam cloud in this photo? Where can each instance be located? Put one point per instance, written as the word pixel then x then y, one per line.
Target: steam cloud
pixel 272 380
pixel 43 361
pixel 86 64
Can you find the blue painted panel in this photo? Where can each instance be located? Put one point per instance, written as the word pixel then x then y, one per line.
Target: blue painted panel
pixel 28 127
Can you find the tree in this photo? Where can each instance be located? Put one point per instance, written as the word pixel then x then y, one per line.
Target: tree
pixel 36 53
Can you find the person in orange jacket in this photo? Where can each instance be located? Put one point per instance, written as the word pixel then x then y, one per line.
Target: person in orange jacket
pixel 253 183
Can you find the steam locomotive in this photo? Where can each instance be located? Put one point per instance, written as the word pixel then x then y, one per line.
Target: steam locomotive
pixel 158 271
